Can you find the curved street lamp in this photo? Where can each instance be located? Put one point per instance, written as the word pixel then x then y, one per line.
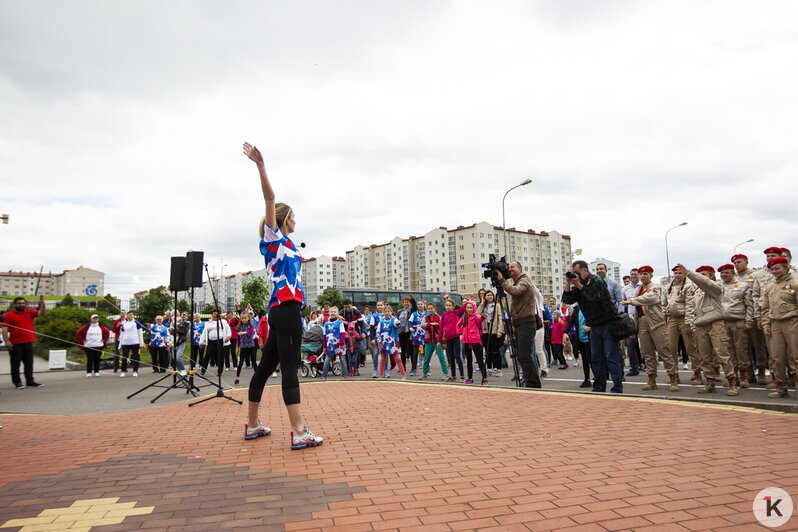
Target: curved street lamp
pixel 667 256
pixel 504 225
pixel 740 244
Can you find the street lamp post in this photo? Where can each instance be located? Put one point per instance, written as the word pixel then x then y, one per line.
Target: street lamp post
pixel 740 244
pixel 504 225
pixel 667 256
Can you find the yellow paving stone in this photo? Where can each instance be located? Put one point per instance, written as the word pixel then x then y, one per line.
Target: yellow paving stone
pixel 63 511
pixel 98 522
pixel 29 521
pixel 102 508
pixel 131 511
pixel 92 502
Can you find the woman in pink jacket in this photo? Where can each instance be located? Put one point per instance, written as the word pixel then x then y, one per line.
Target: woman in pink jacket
pixel 448 336
pixel 470 329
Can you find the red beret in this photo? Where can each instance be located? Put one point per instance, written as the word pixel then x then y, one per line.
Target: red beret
pixel 705 269
pixel 674 268
pixel 739 256
pixel 777 260
pixel 773 249
pixel 648 269
pixel 787 251
pixel 726 267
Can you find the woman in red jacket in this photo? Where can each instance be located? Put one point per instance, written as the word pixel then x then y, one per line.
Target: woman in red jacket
pixel 92 338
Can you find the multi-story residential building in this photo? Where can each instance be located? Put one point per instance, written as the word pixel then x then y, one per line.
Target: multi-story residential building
pixel 78 282
pixel 613 268
pixel 451 259
pixel 321 273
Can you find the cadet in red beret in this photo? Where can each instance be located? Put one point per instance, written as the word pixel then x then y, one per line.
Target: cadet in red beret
pixel 762 280
pixel 706 318
pixel 738 310
pixel 651 330
pixel 676 298
pixel 780 322
pixel 758 358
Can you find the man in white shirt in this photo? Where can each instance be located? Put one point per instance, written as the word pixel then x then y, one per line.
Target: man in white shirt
pixel 632 348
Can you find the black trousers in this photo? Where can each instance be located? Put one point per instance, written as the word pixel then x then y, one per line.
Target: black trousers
pixel 22 353
pixel 453 355
pixel 197 354
pixel 283 348
pixel 408 349
pixel 117 356
pixel 491 343
pixel 231 350
pixel 248 356
pixel 131 351
pixel 556 353
pixel 525 337
pixel 93 355
pixel 160 358
pixel 477 350
pixel 214 352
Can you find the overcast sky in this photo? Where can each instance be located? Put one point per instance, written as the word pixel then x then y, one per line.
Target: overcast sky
pixel 121 126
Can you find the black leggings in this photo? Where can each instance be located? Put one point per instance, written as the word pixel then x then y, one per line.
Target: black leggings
pixel 93 359
pixel 247 356
pixel 282 347
pixel 477 349
pixel 408 349
pixel 197 354
pixel 492 357
pixel 556 353
pixel 453 354
pixel 584 350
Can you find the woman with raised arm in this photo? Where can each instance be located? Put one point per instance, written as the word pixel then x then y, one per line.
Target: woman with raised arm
pixel 283 267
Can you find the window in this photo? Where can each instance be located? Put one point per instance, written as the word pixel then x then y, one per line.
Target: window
pixel 460 237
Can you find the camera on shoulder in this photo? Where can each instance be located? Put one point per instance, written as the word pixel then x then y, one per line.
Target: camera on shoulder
pixel 495 265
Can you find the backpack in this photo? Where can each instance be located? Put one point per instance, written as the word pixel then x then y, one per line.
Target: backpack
pixel 622 326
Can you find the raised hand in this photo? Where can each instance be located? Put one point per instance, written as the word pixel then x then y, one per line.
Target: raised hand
pixel 253 153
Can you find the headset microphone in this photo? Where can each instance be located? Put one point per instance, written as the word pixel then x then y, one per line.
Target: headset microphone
pixel 302 244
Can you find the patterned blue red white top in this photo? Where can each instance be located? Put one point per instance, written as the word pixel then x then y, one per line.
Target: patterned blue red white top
pixel 283 267
pixel 334 334
pixel 158 335
pixel 196 334
pixel 388 336
pixel 419 324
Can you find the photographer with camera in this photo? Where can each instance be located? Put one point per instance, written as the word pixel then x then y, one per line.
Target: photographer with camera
pixel 598 309
pixel 522 314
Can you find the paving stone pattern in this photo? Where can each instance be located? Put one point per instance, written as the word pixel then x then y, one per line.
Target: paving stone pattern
pixel 404 456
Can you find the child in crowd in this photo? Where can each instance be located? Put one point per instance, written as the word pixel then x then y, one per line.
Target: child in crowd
pixel 433 321
pixel 448 334
pixel 365 342
pixel 246 342
pixel 197 351
pixel 376 347
pixel 418 319
pixel 334 341
pixel 353 348
pixel 389 341
pixel 470 329
pixel 557 333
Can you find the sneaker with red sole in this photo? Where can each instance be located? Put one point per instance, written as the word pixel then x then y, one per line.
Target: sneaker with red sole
pixel 256 432
pixel 308 439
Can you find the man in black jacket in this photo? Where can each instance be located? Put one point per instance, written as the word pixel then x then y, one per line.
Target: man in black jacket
pixel 591 292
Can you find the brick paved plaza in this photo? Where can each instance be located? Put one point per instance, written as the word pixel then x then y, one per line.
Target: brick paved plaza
pixel 400 456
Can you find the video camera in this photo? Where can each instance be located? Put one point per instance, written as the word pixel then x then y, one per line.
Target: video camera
pixel 495 265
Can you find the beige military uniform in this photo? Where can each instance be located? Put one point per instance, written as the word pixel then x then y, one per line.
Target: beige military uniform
pixel 651 329
pixel 675 301
pixel 755 334
pixel 780 314
pixel 705 317
pixel 738 310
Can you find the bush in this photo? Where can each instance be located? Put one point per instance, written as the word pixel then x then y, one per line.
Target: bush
pixel 59 332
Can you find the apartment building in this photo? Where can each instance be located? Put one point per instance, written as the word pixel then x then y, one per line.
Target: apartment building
pixel 321 273
pixel 450 260
pixel 78 282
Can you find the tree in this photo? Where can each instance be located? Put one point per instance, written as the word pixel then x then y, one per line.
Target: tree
pixel 59 332
pixel 67 301
pixel 109 304
pixel 183 306
pixel 331 295
pixel 155 302
pixel 255 291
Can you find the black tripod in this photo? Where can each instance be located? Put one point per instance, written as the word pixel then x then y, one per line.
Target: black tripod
pixel 178 380
pixel 219 352
pixel 509 332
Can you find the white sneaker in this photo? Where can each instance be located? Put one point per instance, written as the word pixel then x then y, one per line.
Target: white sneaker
pixel 183 373
pixel 135 374
pixel 96 373
pixel 256 432
pixel 88 374
pixel 684 366
pixel 576 364
pixel 308 439
pixel 122 375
